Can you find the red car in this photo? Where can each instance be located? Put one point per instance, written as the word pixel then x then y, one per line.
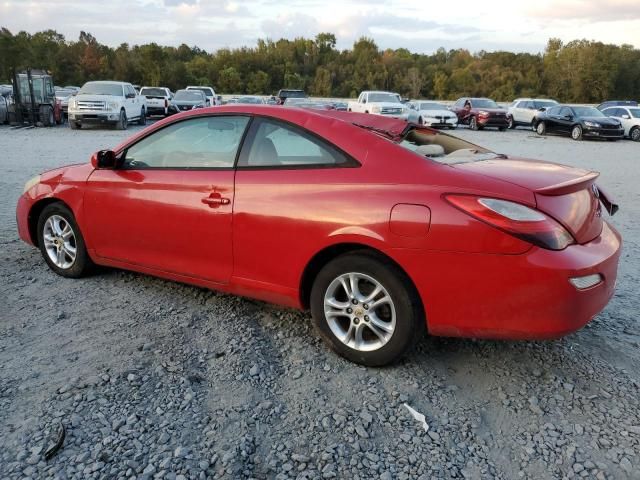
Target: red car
pixel 479 113
pixel 380 227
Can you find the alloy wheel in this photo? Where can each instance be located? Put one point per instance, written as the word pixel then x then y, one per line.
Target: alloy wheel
pixel 359 311
pixel 60 241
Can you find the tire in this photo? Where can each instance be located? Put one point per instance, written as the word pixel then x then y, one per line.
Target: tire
pixel 634 134
pixel 576 132
pixel 46 116
pixel 511 125
pixel 501 129
pixel 420 121
pixel 73 125
pixel 58 252
pixel 122 122
pixel 473 124
pixel 400 321
pixel 541 128
pixel 143 117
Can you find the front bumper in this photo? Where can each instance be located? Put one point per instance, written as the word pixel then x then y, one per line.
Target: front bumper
pixel 491 121
pixel 597 132
pixel 516 297
pixel 99 117
pixel 440 123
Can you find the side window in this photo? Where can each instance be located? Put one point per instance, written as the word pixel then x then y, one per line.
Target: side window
pixel 564 111
pixel 204 142
pixel 130 90
pixel 276 144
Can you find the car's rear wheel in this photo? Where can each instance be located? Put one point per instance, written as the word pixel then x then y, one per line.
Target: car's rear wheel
pixel 366 309
pixel 576 132
pixel 46 116
pixel 143 117
pixel 473 124
pixel 541 128
pixel 122 121
pixel 61 242
pixel 634 134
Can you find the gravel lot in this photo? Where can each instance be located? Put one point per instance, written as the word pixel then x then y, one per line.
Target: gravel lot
pixel 153 379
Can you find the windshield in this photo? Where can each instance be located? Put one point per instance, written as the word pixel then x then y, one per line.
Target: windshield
pixel 292 94
pixel 588 112
pixel 432 106
pixel 207 91
pixel 444 148
pixel 544 103
pixel 189 96
pixel 484 103
pixel 94 88
pixel 153 92
pixel 384 97
pixel 635 112
pixel 63 93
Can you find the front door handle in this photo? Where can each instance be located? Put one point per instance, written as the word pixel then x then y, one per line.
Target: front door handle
pixel 215 200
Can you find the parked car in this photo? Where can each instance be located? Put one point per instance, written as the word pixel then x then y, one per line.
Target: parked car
pixel 388 104
pixel 63 95
pixel 617 103
pixel 380 227
pixel 629 117
pixel 189 99
pixel 33 99
pixel 159 101
pixel 341 106
pixel 479 113
pixel 285 93
pixel 209 92
pixel 522 111
pixel 306 103
pixel 4 116
pixel 578 122
pixel 107 103
pixel 432 114
pixel 71 87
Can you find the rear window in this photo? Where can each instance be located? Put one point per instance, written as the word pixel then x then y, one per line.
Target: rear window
pixel 207 91
pixel 444 148
pixel 153 92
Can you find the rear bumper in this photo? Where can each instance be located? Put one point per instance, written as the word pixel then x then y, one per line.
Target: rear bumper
pixel 517 297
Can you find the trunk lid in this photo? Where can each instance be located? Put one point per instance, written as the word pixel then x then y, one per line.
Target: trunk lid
pixel 567 194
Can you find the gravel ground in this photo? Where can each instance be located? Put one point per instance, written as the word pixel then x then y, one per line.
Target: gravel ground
pixel 154 379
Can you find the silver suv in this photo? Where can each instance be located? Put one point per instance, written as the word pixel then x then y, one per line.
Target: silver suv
pixel 522 111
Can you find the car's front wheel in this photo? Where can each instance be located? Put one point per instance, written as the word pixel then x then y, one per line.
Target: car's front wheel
pixel 122 121
pixel 511 124
pixel 366 309
pixel 61 242
pixel 541 128
pixel 634 134
pixel 143 117
pixel 576 132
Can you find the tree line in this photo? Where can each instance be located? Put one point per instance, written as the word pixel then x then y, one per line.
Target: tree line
pixel 577 71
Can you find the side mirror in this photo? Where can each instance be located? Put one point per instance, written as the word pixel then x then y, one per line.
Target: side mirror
pixel 130 95
pixel 104 159
pixel 625 116
pixel 568 117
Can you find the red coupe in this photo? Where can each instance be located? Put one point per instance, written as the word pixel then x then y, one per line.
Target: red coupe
pixel 379 227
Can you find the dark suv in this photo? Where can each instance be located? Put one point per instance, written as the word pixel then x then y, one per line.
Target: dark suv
pixel 479 113
pixel 285 93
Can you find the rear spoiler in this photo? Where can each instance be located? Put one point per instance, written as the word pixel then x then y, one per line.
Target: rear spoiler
pixel 579 183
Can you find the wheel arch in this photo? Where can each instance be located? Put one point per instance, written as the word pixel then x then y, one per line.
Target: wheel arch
pixel 34 215
pixel 328 253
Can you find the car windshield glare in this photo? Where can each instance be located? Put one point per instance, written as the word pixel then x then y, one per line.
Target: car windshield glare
pixel 153 92
pixel 384 97
pixel 443 148
pixel 588 112
pixel 94 88
pixel 189 96
pixel 484 103
pixel 635 112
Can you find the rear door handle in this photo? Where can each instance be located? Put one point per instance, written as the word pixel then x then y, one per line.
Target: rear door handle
pixel 215 200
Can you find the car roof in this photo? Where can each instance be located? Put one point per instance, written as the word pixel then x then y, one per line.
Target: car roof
pixel 108 81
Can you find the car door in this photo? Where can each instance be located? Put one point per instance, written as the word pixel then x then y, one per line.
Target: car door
pixel 552 119
pixel 518 111
pixel 133 107
pixel 565 120
pixel 290 187
pixel 169 204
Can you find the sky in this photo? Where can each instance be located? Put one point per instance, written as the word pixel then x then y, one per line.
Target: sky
pixel 420 26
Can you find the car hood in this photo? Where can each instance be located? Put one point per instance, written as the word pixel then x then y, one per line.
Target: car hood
pixel 96 98
pixel 387 104
pixel 437 113
pixel 601 120
pixel 490 110
pixel 188 102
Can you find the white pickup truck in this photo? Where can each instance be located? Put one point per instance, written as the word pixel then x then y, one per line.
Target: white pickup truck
pixel 380 103
pixel 106 102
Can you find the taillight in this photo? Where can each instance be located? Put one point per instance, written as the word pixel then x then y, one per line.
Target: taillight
pixel 515 219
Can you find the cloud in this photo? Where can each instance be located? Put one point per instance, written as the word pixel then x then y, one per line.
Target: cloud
pixel 585 10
